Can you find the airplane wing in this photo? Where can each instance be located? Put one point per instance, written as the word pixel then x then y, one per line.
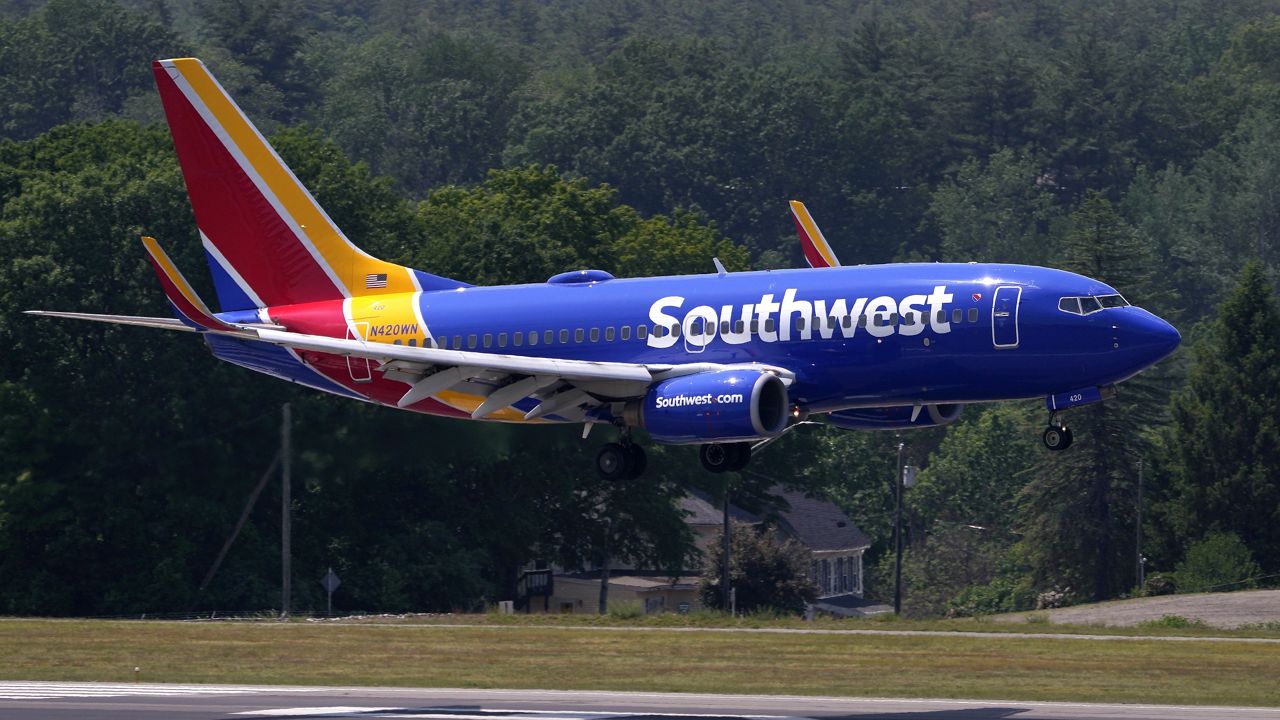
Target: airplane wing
pixel 565 387
pixel 817 251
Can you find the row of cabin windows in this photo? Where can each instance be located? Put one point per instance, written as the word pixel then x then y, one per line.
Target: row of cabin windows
pixel 549 337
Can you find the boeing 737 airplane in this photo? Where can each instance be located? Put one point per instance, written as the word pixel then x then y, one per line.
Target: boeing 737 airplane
pixel 723 360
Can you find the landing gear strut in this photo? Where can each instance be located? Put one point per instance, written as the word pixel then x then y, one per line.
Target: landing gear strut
pixel 1057 436
pixel 724 457
pixel 623 460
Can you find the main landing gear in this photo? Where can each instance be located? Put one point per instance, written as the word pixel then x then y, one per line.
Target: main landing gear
pixel 622 460
pixel 1057 436
pixel 724 457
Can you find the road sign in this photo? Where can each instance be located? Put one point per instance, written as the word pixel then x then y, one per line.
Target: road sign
pixel 330 581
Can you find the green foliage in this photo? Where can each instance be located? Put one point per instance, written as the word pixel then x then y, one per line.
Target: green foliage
pixel 1177 622
pixel 1225 464
pixel 1219 562
pixel 767 571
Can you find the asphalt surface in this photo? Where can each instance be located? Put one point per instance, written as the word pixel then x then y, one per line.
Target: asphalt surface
pixel 102 701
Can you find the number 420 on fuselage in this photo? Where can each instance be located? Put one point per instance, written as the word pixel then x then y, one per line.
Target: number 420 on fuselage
pixel 724 360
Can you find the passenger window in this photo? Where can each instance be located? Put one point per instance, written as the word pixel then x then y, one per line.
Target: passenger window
pixel 642 332
pixel 769 325
pixel 909 318
pixel 724 326
pixel 517 339
pixel 893 318
pixel 549 337
pixel 957 316
pixel 608 334
pixel 595 334
pixel 533 337
pixel 578 335
pixel 488 339
pixel 847 321
pixel 625 331
pixel 397 342
pixel 502 339
pixel 973 314
pixel 739 326
pixel 471 341
pixel 457 342
pixel 675 331
pixel 441 343
pixel 942 316
pixel 413 342
pixel 755 327
pixel 564 337
pixel 800 323
pixel 660 331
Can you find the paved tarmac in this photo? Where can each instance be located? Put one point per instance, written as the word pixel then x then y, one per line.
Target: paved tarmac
pixel 103 701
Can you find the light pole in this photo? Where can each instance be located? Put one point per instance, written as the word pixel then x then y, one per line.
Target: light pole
pixel 1137 546
pixel 897 534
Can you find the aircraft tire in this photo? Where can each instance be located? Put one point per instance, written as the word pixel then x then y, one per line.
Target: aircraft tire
pixel 1057 438
pixel 741 456
pixel 612 462
pixel 717 457
pixel 636 461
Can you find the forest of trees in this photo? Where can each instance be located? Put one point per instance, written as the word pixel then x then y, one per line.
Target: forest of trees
pixel 1137 141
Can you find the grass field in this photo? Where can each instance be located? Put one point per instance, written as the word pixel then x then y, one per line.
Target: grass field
pixel 528 656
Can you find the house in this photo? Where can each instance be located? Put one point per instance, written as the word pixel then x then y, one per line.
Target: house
pixel 834 542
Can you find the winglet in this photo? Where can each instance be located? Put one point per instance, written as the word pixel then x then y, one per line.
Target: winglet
pixel 188 306
pixel 816 249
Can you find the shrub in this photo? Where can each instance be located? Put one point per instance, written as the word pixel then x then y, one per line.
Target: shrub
pixel 1159 585
pixel 1220 561
pixel 1173 621
pixel 626 610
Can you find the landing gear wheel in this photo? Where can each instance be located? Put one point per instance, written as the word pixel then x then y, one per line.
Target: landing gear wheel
pixel 1057 438
pixel 717 457
pixel 636 461
pixel 741 456
pixel 612 462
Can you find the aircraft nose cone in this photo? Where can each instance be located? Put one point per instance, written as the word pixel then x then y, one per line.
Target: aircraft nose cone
pixel 1152 337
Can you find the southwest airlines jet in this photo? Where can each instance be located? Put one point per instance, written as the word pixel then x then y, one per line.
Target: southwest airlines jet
pixel 723 360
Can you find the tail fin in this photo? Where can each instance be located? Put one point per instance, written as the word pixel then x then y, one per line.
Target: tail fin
pixel 817 251
pixel 268 241
pixel 186 303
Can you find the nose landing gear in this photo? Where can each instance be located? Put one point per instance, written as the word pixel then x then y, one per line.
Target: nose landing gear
pixel 1057 436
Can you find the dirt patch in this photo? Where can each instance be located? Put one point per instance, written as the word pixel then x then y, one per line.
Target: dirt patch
pixel 1219 610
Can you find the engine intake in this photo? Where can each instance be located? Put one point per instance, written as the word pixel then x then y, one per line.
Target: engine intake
pixel 895 418
pixel 714 406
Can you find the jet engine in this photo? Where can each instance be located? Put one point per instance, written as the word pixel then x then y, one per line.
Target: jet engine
pixel 713 406
pixel 895 418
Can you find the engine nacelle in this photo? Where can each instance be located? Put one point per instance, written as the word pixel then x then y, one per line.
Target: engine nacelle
pixel 895 418
pixel 713 406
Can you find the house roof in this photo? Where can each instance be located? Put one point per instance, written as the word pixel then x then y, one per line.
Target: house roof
pixel 701 510
pixel 817 524
pixel 639 580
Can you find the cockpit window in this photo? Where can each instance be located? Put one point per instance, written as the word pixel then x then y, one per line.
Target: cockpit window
pixel 1088 304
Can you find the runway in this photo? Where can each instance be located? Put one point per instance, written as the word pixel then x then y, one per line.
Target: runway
pixel 104 701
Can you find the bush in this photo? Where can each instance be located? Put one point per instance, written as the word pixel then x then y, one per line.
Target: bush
pixel 1159 585
pixel 1002 595
pixel 1219 562
pixel 626 610
pixel 1173 621
pixel 1055 598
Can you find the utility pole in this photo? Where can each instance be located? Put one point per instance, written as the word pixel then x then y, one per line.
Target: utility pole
pixel 897 534
pixel 286 500
pixel 1137 551
pixel 724 567
pixel 604 566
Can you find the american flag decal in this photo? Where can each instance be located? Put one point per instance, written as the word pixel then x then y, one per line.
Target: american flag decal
pixel 375 280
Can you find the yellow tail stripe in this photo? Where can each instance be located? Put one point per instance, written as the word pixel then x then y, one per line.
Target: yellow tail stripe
pixel 815 235
pixel 174 275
